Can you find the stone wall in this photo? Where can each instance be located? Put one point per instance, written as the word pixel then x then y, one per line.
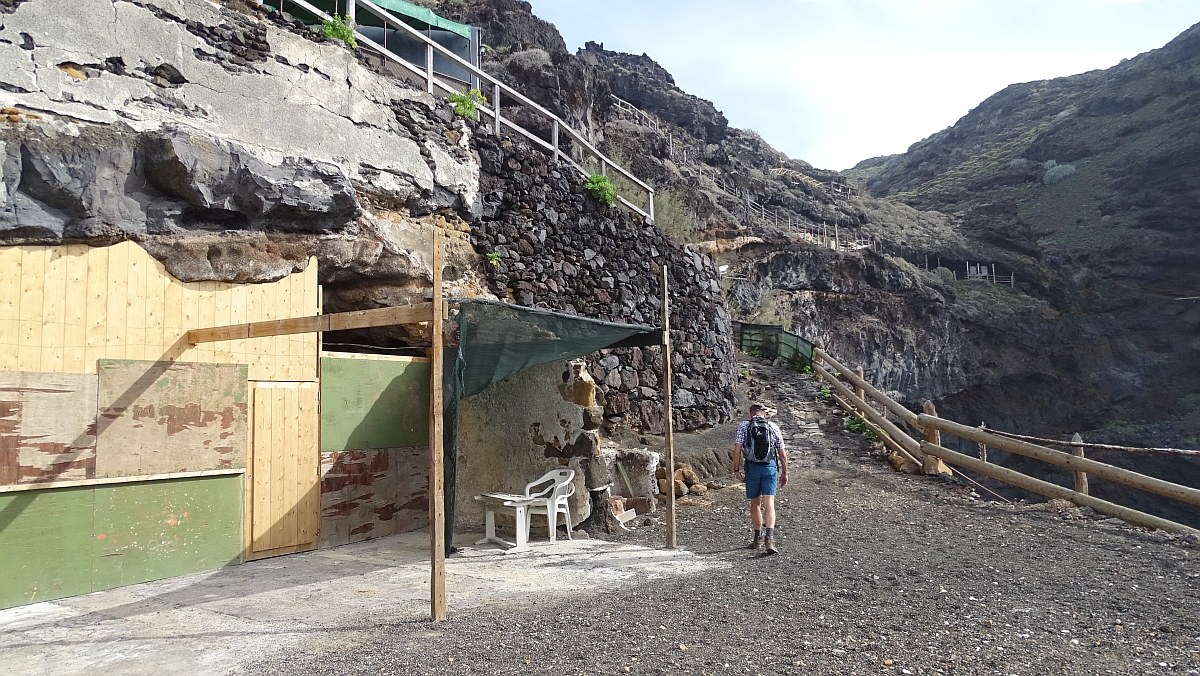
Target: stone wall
pixel 561 250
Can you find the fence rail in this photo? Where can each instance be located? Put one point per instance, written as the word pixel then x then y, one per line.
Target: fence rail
pixel 498 89
pixel 929 453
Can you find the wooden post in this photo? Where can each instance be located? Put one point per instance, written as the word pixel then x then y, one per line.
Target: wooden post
pixel 1081 478
pixel 862 394
pixel 350 12
pixel 933 465
pixel 983 447
pixel 437 486
pixel 668 411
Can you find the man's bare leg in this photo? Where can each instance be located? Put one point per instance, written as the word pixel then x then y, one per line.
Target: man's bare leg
pixel 756 515
pixel 768 508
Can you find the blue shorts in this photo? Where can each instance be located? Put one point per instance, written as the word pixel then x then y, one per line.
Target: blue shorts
pixel 761 479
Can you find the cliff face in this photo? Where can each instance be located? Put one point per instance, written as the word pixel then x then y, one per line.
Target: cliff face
pixel 1087 187
pixel 235 146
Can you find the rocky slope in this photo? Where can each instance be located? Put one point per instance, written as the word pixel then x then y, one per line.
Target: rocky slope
pixel 237 145
pixel 1087 187
pixel 1082 188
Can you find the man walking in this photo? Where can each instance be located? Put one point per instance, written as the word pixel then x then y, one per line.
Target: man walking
pixel 761 444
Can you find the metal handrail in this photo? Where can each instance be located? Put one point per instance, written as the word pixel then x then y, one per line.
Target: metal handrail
pixel 498 87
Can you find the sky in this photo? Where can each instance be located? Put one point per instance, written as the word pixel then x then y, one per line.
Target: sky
pixel 834 82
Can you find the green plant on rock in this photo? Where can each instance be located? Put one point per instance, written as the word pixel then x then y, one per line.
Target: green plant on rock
pixel 341 28
pixel 467 105
pixel 601 189
pixel 859 426
pixel 826 393
pixel 493 257
pixel 755 352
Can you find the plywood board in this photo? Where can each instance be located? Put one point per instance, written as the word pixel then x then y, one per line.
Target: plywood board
pixel 372 493
pixel 377 403
pixel 163 417
pixel 45 545
pixel 285 495
pixel 62 308
pixel 47 427
pixel 148 531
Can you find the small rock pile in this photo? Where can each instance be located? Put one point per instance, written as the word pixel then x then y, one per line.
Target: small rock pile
pixel 686 482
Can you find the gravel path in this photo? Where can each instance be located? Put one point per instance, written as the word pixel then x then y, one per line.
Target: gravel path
pixel 879 573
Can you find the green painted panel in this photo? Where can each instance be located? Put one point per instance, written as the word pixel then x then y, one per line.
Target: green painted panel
pixel 373 403
pixel 45 545
pixel 148 531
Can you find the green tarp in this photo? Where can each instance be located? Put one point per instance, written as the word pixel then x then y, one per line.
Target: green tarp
pixel 496 340
pixel 423 16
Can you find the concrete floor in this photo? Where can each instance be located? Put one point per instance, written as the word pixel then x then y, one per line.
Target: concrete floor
pixel 220 621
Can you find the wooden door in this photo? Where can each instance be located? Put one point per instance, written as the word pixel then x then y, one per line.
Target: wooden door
pixel 284 499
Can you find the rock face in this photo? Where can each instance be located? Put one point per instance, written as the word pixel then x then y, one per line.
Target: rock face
pixel 558 248
pixel 235 147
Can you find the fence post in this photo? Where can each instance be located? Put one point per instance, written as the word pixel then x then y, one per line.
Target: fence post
pixel 652 206
pixel 603 167
pixel 862 394
pixel 554 139
pixel 983 447
pixel 496 103
pixel 933 465
pixel 428 67
pixel 1081 478
pixel 350 12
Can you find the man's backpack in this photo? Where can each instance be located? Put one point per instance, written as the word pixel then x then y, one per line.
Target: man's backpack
pixel 758 446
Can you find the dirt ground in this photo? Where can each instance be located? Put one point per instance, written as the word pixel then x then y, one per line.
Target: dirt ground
pixel 879 573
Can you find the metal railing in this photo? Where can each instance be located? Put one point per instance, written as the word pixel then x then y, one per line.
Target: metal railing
pixel 641 117
pixel 498 89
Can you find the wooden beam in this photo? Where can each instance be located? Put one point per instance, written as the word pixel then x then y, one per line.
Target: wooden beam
pixel 1100 469
pixel 342 321
pixel 874 416
pixel 672 541
pixel 1054 490
pixel 904 414
pixel 437 486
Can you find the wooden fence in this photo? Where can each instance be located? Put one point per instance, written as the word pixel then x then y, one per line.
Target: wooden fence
pixel 861 398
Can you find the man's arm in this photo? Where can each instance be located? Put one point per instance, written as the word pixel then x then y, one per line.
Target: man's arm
pixel 781 454
pixel 737 462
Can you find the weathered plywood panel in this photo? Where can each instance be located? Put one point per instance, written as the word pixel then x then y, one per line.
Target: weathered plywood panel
pixel 63 308
pixel 373 493
pixel 47 427
pixel 285 500
pixel 148 531
pixel 374 403
pixel 162 417
pixel 45 545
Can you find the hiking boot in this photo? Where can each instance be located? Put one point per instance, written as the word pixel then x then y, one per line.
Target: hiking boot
pixel 770 546
pixel 756 544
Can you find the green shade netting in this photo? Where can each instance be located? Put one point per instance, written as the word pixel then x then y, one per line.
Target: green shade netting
pixel 423 16
pixel 773 341
pixel 497 340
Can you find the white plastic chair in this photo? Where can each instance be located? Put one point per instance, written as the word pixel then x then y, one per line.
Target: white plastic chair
pixel 552 500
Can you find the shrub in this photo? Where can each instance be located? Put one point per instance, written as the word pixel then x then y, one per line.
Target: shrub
pixel 492 257
pixel 1049 164
pixel 673 216
pixel 601 189
pixel 1058 173
pixel 466 104
pixel 826 393
pixel 1019 164
pixel 341 28
pixel 859 426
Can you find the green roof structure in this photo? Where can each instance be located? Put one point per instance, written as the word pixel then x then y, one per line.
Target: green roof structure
pixel 422 17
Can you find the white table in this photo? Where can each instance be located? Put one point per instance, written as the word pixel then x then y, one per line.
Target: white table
pixel 517 505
